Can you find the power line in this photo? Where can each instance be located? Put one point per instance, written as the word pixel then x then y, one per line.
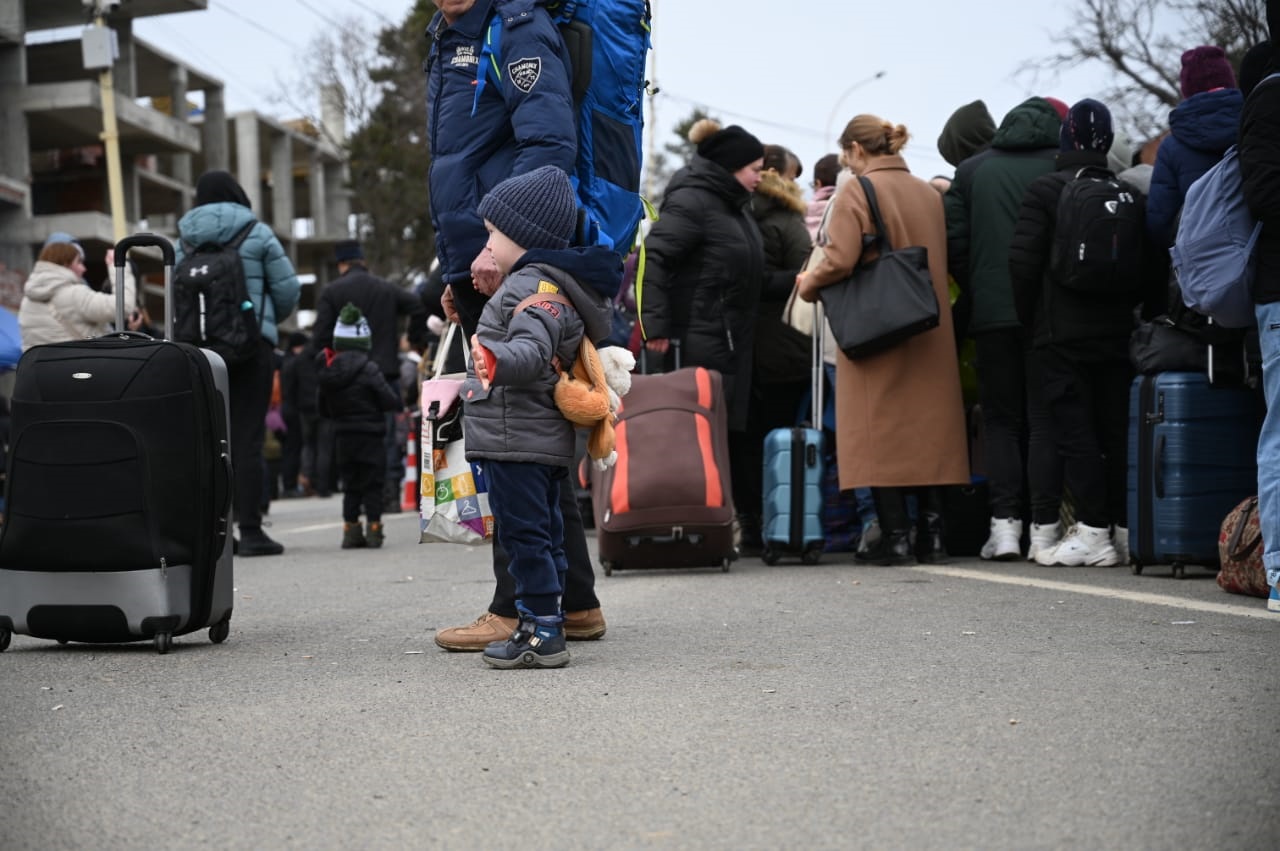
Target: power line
pixel 808 131
pixel 178 38
pixel 369 8
pixel 255 25
pixel 321 15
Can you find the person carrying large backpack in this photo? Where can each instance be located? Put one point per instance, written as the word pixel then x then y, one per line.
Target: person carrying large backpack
pixel 221 217
pixel 501 101
pixel 1076 264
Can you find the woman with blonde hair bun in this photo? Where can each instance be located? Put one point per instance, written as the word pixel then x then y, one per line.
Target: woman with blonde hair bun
pixel 899 413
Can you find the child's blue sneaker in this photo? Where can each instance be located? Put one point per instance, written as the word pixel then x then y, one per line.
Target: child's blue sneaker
pixel 536 643
pixel 1273 602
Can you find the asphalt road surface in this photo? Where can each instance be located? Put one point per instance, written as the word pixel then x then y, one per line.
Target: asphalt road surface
pixel 835 706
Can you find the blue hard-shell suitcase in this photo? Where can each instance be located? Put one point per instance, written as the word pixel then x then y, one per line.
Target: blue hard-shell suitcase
pixel 793 502
pixel 1192 458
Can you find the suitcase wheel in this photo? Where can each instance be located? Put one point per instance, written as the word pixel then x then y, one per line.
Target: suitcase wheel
pixel 219 631
pixel 724 565
pixel 164 642
pixel 769 556
pixel 1136 567
pixel 1179 571
pixel 607 566
pixel 5 635
pixel 812 555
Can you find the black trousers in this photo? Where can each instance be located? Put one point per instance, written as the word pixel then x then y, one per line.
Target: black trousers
pixel 1089 405
pixel 249 399
pixel 362 462
pixel 1018 447
pixel 771 406
pixel 580 580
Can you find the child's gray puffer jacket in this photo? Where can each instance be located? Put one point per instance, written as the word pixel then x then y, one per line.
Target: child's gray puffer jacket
pixel 516 419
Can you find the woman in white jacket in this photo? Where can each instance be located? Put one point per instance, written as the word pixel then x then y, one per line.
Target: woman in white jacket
pixel 58 306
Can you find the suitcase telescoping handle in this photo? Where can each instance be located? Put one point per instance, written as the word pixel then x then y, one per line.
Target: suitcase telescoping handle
pixel 645 354
pixel 818 367
pixel 122 250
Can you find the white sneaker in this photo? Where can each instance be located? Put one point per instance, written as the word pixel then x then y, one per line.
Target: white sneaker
pixel 1120 540
pixel 1083 544
pixel 1005 541
pixel 1043 536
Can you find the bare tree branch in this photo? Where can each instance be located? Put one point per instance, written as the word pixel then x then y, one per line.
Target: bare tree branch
pixel 1141 43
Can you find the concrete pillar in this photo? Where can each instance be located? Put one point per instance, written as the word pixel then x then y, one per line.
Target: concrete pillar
pixel 16 256
pixel 248 169
pixel 282 185
pixel 319 199
pixel 178 109
pixel 214 131
pixel 124 72
pixel 335 187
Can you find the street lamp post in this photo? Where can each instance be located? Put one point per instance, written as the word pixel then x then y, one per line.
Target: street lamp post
pixel 840 100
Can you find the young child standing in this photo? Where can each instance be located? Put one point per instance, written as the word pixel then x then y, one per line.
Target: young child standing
pixel 513 426
pixel 354 394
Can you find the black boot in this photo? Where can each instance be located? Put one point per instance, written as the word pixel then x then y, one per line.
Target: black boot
pixel 894 547
pixel 930 548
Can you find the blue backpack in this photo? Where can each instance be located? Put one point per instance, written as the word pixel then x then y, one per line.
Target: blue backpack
pixel 608 45
pixel 1213 251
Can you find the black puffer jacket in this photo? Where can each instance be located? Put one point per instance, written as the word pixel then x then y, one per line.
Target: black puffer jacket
pixel 381 302
pixel 353 392
pixel 704 266
pixel 781 352
pixel 1260 170
pixel 1088 326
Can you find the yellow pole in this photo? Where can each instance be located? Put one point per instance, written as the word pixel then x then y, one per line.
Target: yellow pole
pixel 111 140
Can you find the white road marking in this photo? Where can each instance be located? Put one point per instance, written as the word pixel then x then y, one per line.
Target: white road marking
pixel 1111 593
pixel 328 527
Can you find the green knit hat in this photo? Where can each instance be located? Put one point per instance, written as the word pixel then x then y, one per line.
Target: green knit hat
pixel 352 330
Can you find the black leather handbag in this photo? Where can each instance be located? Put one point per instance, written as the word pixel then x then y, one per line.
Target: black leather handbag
pixel 884 301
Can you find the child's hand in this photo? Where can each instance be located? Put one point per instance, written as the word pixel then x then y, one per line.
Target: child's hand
pixel 483 361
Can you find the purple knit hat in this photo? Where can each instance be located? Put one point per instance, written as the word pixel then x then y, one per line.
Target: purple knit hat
pixel 1205 68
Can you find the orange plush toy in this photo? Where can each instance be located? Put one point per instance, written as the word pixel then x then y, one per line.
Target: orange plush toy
pixel 584 399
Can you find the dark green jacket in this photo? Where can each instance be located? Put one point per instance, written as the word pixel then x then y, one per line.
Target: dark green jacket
pixel 982 209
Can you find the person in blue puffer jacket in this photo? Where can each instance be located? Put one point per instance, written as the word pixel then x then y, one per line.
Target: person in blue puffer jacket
pixel 483 130
pixel 1202 127
pixel 480 135
pixel 222 211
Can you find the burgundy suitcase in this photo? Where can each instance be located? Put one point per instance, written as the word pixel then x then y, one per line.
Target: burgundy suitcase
pixel 668 501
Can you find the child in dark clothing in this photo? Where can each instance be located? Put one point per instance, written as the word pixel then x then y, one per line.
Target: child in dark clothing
pixel 354 394
pixel 531 327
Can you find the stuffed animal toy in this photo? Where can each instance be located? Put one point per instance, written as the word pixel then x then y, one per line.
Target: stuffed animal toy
pixel 589 396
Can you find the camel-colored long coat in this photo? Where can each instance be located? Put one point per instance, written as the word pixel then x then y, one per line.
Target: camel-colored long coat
pixel 899 414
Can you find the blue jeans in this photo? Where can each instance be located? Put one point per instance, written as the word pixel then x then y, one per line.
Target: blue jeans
pixel 1268 316
pixel 525 499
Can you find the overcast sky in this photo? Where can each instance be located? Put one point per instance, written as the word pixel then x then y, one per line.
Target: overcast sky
pixel 791 72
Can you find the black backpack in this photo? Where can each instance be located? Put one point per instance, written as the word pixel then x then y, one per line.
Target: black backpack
pixel 211 304
pixel 1097 242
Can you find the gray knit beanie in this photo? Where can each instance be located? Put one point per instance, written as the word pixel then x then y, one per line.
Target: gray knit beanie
pixel 534 210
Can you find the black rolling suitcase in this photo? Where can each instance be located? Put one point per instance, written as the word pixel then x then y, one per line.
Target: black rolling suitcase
pixel 119 488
